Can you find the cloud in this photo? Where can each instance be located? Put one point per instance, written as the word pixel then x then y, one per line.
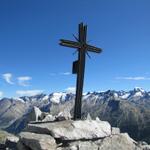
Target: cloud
pixel 24 80
pixel 1 93
pixel 61 73
pixel 28 92
pixel 133 78
pixel 7 77
pixel 65 73
pixel 70 90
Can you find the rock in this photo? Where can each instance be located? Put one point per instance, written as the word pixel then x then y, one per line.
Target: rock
pixel 118 142
pixel 11 142
pixel 88 117
pixel 35 114
pixel 63 116
pixel 77 135
pixel 21 146
pixel 12 139
pixel 43 115
pixel 115 142
pixel 97 119
pixel 37 141
pixel 115 130
pixel 73 130
pixel 144 145
pixel 48 118
pixel 80 145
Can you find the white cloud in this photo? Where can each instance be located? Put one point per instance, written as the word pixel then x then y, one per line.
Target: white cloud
pixel 70 90
pixel 7 77
pixel 24 80
pixel 133 78
pixel 28 92
pixel 61 73
pixel 1 93
pixel 65 73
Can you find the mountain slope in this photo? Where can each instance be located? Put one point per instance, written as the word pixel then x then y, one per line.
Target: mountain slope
pixel 128 110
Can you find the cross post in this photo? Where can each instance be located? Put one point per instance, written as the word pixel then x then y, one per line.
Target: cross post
pixel 79 65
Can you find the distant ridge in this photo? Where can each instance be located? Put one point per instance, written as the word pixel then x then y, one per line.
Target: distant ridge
pixel 128 110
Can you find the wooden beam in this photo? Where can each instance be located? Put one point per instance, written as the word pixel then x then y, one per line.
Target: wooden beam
pixel 69 43
pixel 93 49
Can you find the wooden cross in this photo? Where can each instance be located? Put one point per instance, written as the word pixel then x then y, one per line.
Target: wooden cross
pixel 79 65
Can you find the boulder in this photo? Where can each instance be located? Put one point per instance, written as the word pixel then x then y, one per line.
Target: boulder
pixel 37 141
pixel 43 115
pixel 12 138
pixel 115 130
pixel 118 142
pixel 21 146
pixel 144 145
pixel 73 130
pixel 35 114
pixel 11 142
pixel 80 145
pixel 88 117
pixel 115 142
pixel 65 115
pixel 48 118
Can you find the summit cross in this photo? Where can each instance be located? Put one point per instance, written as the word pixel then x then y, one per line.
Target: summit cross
pixel 79 65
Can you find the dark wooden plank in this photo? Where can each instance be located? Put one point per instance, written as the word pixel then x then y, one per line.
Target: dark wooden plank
pixel 69 43
pixel 93 49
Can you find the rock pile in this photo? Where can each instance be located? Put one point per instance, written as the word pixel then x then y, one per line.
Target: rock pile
pixel 59 132
pixel 76 135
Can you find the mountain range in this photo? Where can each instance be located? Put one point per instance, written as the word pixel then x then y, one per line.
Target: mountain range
pixel 128 110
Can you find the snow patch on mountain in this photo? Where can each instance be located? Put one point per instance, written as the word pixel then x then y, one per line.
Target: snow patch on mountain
pixel 57 97
pixel 138 94
pixel 125 96
pixel 45 98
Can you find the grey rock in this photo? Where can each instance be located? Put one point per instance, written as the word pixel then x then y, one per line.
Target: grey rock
pixel 12 138
pixel 73 130
pixel 48 118
pixel 35 115
pixel 37 141
pixel 88 117
pixel 143 145
pixel 78 135
pixel 21 146
pixel 65 115
pixel 97 119
pixel 115 130
pixel 80 145
pixel 117 142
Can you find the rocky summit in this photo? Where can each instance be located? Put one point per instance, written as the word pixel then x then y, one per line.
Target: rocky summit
pixel 85 134
pixel 76 135
pixel 127 110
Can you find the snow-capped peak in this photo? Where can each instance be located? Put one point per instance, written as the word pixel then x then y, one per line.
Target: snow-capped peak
pixel 45 97
pixel 18 99
pixel 57 97
pixel 139 89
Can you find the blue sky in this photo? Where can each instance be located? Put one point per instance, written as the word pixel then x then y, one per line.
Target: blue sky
pixel 32 61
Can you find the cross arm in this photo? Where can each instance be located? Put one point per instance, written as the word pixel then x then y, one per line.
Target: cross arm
pixel 69 43
pixel 93 49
